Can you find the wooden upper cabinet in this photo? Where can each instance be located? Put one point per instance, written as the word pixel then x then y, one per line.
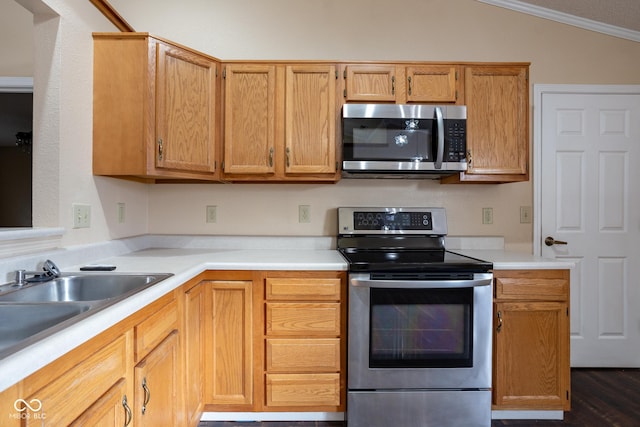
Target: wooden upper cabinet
pixel 432 83
pixel 280 122
pixel 310 124
pixel 249 119
pixel 154 109
pixel 497 100
pixel 397 83
pixel 370 83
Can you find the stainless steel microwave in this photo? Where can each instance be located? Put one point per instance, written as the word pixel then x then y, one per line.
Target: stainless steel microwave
pixel 403 140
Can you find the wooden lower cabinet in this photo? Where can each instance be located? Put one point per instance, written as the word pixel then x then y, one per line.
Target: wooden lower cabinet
pixel 157 385
pixel 531 340
pixel 304 339
pixel 275 341
pixel 229 326
pixel 92 389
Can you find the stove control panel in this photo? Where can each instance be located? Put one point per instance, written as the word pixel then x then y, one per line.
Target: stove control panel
pixel 363 220
pixel 367 220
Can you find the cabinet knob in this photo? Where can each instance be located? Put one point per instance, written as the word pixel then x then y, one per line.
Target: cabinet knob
pixel 128 415
pixel 147 395
pixel 160 149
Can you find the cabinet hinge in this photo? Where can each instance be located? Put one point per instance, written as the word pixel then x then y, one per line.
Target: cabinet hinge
pixel 567 394
pixel 336 74
pixel 456 95
pixel 344 93
pixel 344 74
pixel 222 165
pixel 224 73
pixel 567 311
pixel 456 76
pixel 216 72
pixel 526 75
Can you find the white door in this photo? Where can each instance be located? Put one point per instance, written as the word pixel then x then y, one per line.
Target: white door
pixel 587 188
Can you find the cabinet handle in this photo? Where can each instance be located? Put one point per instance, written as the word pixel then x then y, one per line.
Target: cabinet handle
pixel 160 149
pixel 128 415
pixel 288 153
pixel 393 85
pixel 409 78
pixel 499 321
pixel 147 395
pixel 271 157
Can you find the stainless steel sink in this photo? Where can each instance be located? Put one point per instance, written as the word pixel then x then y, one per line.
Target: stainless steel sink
pixel 37 310
pixel 83 287
pixel 22 324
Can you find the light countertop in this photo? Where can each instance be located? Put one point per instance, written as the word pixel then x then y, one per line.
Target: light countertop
pixel 186 263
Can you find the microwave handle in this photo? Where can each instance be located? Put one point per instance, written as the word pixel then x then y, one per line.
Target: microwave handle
pixel 440 136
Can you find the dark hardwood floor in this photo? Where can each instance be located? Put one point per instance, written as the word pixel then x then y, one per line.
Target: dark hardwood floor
pixel 600 398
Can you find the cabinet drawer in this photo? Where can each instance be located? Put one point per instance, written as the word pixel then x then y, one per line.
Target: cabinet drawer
pixel 303 355
pixel 303 390
pixel 303 319
pixel 313 289
pixel 544 285
pixel 61 400
pixel 151 331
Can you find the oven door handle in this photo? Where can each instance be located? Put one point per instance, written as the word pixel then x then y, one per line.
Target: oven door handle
pixel 420 284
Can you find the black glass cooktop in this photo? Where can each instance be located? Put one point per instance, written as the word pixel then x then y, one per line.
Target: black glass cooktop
pixel 412 261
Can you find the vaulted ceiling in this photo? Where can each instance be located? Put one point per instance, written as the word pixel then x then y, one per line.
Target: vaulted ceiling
pixel 620 18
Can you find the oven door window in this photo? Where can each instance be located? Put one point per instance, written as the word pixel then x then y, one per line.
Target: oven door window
pixel 388 139
pixel 421 328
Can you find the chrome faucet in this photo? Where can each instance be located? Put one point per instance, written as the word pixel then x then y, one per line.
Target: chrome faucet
pixel 49 272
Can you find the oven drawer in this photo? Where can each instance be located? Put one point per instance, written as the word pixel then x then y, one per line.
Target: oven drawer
pixel 306 289
pixel 303 390
pixel 303 319
pixel 303 355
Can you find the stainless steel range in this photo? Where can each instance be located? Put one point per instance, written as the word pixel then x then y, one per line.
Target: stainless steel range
pixel 419 351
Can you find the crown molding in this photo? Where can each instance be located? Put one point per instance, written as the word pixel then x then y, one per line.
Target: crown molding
pixel 565 18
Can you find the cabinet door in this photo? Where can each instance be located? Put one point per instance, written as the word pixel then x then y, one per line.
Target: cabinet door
pixel 310 145
pixel 531 369
pixel 497 100
pixel 185 121
pixel 370 83
pixel 432 83
pixel 60 403
pixel 229 360
pixel 111 410
pixel 249 121
pixel 194 339
pixel 157 383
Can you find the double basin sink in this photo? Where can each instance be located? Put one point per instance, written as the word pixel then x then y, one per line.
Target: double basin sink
pixel 34 311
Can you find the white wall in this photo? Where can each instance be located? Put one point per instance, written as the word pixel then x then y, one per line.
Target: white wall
pixel 429 30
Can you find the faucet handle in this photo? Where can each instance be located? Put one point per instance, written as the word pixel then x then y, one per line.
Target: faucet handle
pixel 51 268
pixel 20 276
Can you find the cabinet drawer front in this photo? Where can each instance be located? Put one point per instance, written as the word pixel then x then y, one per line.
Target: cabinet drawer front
pixel 303 289
pixel 151 331
pixel 303 390
pixel 303 355
pixel 545 286
pixel 61 401
pixel 303 319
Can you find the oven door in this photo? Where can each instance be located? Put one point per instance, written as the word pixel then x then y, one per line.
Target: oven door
pixel 420 334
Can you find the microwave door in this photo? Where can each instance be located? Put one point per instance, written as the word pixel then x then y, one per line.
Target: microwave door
pixel 439 136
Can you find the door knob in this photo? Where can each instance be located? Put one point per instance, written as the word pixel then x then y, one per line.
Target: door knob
pixel 550 241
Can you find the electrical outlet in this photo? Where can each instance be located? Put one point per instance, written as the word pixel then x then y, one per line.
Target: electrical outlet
pixel 81 216
pixel 212 214
pixel 121 210
pixel 487 215
pixel 525 214
pixel 304 213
